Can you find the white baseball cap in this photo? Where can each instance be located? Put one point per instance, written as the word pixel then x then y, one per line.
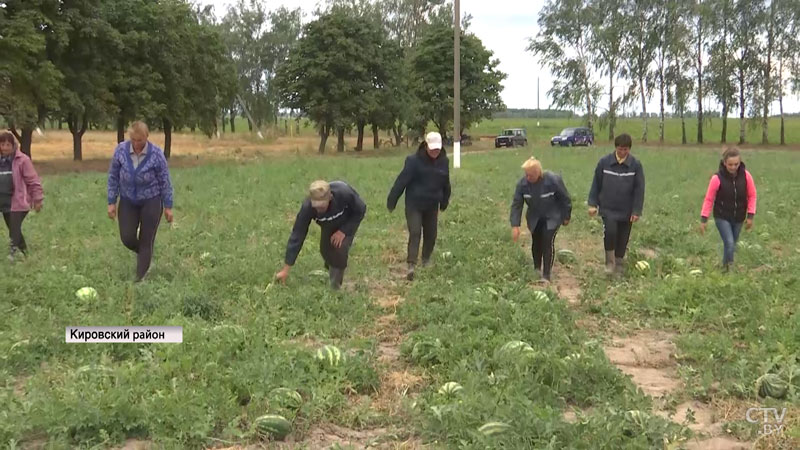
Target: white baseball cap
pixel 434 140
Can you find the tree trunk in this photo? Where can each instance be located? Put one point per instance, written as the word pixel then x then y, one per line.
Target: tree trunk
pixel 588 93
pixel 780 98
pixel 340 139
pixel 644 108
pixel 324 131
pixel 360 142
pixel 224 124
pixel 768 76
pixel 724 137
pixel 741 107
pixel 233 121
pixel 167 137
pixel 25 139
pixel 398 135
pixel 193 127
pixel 60 124
pixel 700 81
pixel 77 135
pixel 249 124
pixel 661 120
pixel 120 129
pixel 376 141
pixel 612 113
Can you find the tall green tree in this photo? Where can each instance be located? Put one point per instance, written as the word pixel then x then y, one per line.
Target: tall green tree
pixel 787 50
pixel 432 79
pixel 639 44
pixel 720 68
pixel 84 60
pixel 745 55
pixel 134 80
pixel 328 72
pixel 699 33
pixel 671 32
pixel 608 29
pixel 563 44
pixel 31 81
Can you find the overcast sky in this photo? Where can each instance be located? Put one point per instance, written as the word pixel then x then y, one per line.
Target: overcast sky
pixel 504 26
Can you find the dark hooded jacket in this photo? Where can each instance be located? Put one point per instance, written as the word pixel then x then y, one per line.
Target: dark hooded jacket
pixel 425 181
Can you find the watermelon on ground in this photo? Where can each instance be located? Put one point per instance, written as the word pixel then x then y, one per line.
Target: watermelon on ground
pixel 273 425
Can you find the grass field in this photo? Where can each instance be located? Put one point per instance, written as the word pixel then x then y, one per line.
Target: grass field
pixel 244 337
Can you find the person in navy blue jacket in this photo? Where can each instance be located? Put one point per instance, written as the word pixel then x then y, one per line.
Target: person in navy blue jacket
pixel 549 207
pixel 425 179
pixel 618 193
pixel 139 177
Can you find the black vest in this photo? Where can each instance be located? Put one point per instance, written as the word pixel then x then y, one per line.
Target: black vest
pixel 731 201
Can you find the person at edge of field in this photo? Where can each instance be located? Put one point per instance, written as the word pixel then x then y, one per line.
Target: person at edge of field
pixel 549 207
pixel 338 210
pixel 139 176
pixel 732 196
pixel 617 193
pixel 20 190
pixel 425 178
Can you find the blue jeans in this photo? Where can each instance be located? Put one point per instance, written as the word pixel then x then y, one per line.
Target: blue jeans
pixel 729 231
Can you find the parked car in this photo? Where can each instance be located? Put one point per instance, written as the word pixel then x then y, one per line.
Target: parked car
pixel 573 136
pixel 511 137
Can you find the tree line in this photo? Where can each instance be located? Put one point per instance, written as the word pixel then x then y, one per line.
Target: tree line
pixel 744 54
pixel 359 64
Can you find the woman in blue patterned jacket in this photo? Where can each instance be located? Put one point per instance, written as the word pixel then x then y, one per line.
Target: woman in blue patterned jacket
pixel 139 176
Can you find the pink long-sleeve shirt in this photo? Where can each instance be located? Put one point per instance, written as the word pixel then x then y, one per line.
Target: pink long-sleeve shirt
pixel 711 195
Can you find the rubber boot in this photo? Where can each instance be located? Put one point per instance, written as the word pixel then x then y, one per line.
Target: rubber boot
pixel 410 272
pixel 619 267
pixel 337 276
pixel 609 262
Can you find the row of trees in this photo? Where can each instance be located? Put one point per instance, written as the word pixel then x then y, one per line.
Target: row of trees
pixel 745 54
pixel 386 64
pixel 110 62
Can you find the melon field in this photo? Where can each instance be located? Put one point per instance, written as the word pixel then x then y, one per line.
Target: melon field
pixel 467 356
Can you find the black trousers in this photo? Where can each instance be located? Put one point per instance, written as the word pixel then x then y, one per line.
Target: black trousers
pixel 138 225
pixel 543 248
pixel 616 234
pixel 14 223
pixel 334 257
pixel 422 225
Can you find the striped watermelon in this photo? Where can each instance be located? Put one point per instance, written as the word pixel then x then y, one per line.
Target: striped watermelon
pixel 696 272
pixel 329 355
pixel 450 388
pixel 642 266
pixel 494 428
pixel 273 425
pixel 566 256
pixel 772 385
pixel 517 346
pixel 286 398
pixel 540 296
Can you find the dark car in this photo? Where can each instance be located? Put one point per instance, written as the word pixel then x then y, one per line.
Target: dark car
pixel 573 136
pixel 511 137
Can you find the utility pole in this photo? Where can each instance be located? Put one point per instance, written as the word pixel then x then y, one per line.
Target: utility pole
pixel 457 86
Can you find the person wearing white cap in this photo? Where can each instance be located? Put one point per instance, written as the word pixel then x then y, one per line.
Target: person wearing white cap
pixel 338 210
pixel 425 178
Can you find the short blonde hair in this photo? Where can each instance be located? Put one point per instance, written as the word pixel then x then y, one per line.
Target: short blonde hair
pixel 139 128
pixel 531 163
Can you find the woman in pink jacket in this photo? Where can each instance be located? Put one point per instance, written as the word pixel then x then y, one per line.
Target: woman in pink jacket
pixel 20 189
pixel 732 196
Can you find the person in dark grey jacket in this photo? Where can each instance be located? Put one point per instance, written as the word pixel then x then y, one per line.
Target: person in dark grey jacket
pixel 426 181
pixel 338 210
pixel 549 207
pixel 618 193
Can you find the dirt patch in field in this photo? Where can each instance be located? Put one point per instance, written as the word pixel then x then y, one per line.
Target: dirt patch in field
pixel 328 435
pixel 568 287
